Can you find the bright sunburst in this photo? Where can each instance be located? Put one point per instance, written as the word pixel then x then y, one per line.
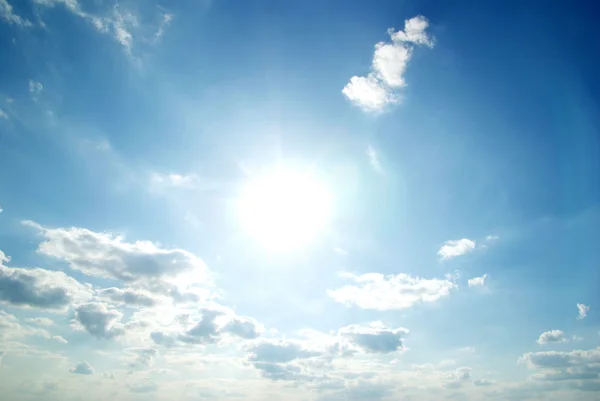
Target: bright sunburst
pixel 285 208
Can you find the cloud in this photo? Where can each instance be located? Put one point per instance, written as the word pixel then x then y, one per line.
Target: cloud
pixel 82 368
pixel 390 60
pixel 127 296
pixel 142 355
pixel 35 87
pixel 39 288
pixel 483 382
pixel 143 386
pixel 99 321
pixel 243 327
pixel 477 281
pixel 174 180
pixel 380 292
pixel 108 256
pixel 582 311
pixel 8 15
pixel 582 365
pixel 40 321
pixel 552 336
pixel 374 159
pixel 452 249
pixel 280 351
pixel 375 338
pixel 4 116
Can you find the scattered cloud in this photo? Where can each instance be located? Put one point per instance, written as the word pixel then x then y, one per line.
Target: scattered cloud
pixel 375 338
pixel 477 281
pixel 582 311
pixel 173 180
pixel 40 321
pixel 127 296
pixel 374 159
pixel 552 336
pixel 164 23
pixel 98 320
pixel 109 256
pixel 553 366
pixel 454 248
pixel 7 14
pixel 378 89
pixel 82 368
pixel 380 292
pixel 39 288
pixel 576 338
pixel 144 356
pixel 4 116
pixel 35 88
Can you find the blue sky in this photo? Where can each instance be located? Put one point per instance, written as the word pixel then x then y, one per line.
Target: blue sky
pixel 299 200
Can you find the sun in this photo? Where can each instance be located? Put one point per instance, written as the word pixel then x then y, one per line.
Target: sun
pixel 285 208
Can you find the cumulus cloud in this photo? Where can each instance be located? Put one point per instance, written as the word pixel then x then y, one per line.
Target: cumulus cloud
pixel 213 326
pixel 39 288
pixel 98 320
pixel 35 87
pixel 141 356
pixel 582 311
pixel 477 281
pixel 582 365
pixel 40 321
pixel 375 338
pixel 8 15
pixel 82 368
pixel 390 60
pixel 127 296
pixel 109 256
pixel 552 336
pixel 452 249
pixel 380 292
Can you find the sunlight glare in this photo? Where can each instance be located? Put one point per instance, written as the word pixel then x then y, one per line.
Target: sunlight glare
pixel 285 209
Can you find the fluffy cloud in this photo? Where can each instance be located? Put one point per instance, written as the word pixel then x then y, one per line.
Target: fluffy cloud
pixel 375 338
pixel 390 60
pixel 8 15
pixel 552 336
pixel 477 281
pixel 98 320
pixel 452 249
pixel 141 356
pixel 280 351
pixel 39 288
pixel 82 368
pixel 401 291
pixel 582 311
pixel 35 87
pixel 108 256
pixel 212 326
pixel 581 365
pixel 174 180
pixel 127 296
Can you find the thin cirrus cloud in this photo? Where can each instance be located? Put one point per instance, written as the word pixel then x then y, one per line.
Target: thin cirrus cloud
pixel 380 292
pixel 379 88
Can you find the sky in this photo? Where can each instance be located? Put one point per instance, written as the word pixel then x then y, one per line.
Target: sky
pixel 299 200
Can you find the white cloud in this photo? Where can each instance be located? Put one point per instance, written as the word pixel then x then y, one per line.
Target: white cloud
pixel 374 159
pixel 492 238
pixel 8 15
pixel 368 93
pixel 127 296
pixel 108 256
pixel 174 180
pixel 380 292
pixel 4 116
pixel 99 321
pixel 552 336
pixel 377 90
pixel 164 23
pixel 452 249
pixel 375 338
pixel 553 366
pixel 144 356
pixel 477 281
pixel 35 87
pixel 82 368
pixel 39 288
pixel 582 311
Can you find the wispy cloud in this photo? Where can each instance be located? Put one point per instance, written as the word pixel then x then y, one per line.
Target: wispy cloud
pixel 374 159
pixel 390 60
pixel 454 248
pixel 8 15
pixel 582 311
